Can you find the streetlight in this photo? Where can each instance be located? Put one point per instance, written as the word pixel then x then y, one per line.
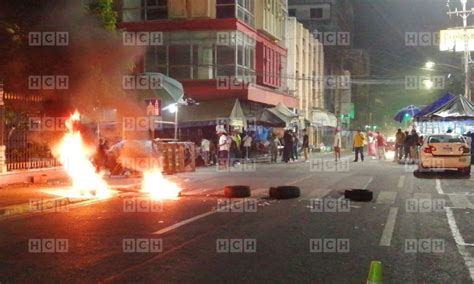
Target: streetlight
pixel 430 65
pixel 428 84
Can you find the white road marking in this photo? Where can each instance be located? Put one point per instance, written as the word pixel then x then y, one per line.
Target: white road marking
pixel 386 197
pixel 461 245
pixel 401 181
pixel 461 202
pixel 389 226
pixel 368 182
pixel 439 189
pixel 256 193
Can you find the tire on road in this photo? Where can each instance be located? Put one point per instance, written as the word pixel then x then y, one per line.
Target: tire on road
pixel 284 192
pixel 237 191
pixel 359 195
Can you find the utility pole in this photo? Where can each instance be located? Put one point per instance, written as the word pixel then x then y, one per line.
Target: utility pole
pixel 464 14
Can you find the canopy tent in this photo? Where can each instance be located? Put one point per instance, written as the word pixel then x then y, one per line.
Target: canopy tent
pixel 443 100
pixel 457 108
pixel 164 88
pixel 237 116
pixel 267 118
pixel 410 111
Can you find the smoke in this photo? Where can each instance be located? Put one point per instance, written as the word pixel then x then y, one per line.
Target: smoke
pixel 94 62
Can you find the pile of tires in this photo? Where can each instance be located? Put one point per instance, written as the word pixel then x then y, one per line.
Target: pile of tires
pixel 284 192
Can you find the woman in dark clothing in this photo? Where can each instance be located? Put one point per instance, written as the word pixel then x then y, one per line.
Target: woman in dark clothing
pixel 288 147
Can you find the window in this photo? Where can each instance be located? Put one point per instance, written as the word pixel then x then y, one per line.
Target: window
pixel 156 9
pixel 180 61
pixel 292 12
pixel 131 11
pixel 225 9
pixel 316 13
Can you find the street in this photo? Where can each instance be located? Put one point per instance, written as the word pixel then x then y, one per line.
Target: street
pixel 419 227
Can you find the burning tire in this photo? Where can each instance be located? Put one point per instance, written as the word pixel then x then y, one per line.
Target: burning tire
pixel 237 191
pixel 359 195
pixel 284 192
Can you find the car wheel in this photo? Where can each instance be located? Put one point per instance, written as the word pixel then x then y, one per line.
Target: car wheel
pixel 359 195
pixel 284 192
pixel 237 191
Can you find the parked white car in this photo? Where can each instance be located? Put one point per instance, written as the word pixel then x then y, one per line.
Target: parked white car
pixel 445 151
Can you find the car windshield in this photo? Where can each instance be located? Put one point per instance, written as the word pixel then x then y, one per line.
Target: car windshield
pixel 446 139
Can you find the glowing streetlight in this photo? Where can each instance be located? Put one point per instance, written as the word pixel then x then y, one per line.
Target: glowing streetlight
pixel 430 65
pixel 428 84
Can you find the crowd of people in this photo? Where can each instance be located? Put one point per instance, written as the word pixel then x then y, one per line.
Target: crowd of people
pixel 235 147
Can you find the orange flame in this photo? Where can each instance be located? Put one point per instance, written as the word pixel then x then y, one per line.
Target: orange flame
pixel 75 158
pixel 158 187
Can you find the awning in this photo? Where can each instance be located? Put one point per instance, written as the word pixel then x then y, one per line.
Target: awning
pixel 283 113
pixel 457 108
pixel 322 117
pixel 443 100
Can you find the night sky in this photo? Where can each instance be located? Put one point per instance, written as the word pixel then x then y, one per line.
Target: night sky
pixel 380 27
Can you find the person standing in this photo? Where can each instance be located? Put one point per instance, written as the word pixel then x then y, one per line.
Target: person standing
pixel 358 145
pixel 305 145
pixel 294 152
pixel 224 147
pixel 399 144
pixel 274 143
pixel 407 145
pixel 414 145
pixel 337 144
pixel 287 147
pixel 247 145
pixel 381 146
pixel 205 150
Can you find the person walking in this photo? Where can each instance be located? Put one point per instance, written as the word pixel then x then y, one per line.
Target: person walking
pixel 288 146
pixel 414 145
pixel 247 141
pixel 305 145
pixel 205 150
pixel 358 145
pixel 399 145
pixel 381 146
pixel 337 144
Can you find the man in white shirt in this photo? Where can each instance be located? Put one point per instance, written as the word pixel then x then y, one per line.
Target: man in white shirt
pixel 337 144
pixel 224 147
pixel 247 144
pixel 205 148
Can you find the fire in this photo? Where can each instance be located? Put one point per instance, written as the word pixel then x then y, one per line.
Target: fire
pixel 75 156
pixel 158 187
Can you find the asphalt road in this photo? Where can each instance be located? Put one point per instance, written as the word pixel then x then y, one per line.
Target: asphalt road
pixel 420 227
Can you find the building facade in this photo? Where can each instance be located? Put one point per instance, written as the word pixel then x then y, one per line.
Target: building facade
pixel 304 66
pixel 331 21
pixel 218 49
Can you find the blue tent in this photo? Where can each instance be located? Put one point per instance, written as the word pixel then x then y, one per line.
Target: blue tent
pixel 442 101
pixel 410 110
